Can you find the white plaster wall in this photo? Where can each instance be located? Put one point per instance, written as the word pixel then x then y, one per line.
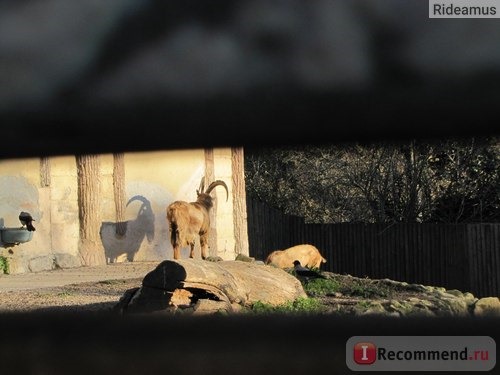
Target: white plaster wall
pixel 63 218
pixel 224 220
pixel 152 181
pixel 20 191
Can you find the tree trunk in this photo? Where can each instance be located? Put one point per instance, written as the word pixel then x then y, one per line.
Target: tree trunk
pixel 44 171
pixel 209 177
pixel 89 198
pixel 239 202
pixel 119 192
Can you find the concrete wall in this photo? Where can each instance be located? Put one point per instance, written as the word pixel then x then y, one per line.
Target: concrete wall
pixel 152 181
pixel 225 241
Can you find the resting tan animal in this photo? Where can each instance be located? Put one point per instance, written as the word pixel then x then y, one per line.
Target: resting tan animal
pixel 307 255
pixel 188 220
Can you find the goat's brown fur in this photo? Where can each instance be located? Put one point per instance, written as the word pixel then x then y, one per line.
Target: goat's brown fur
pixel 307 255
pixel 188 220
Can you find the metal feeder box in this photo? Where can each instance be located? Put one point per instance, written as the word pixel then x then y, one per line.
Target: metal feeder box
pixel 15 235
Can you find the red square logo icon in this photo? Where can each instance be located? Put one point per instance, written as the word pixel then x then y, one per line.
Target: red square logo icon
pixel 365 353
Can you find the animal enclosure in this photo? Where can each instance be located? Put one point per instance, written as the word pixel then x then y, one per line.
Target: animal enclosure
pixel 455 256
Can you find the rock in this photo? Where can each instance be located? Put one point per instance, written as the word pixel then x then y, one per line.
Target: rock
pixel 400 307
pixel 455 306
pixel 62 260
pixel 181 297
pixel 244 258
pixel 53 261
pixel 469 296
pixel 487 307
pixel 199 287
pixel 455 292
pixel 206 306
pixel 470 300
pixel 42 263
pixel 188 283
pixel 214 259
pixel 370 308
pixel 144 300
pixel 402 299
pixel 266 284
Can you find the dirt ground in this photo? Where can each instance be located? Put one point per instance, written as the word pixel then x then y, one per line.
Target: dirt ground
pixel 98 289
pixel 91 289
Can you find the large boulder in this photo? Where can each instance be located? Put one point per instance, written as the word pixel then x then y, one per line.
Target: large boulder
pixel 385 297
pixel 198 286
pixel 487 307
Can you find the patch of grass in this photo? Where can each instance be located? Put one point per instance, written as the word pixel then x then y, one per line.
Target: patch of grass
pixel 355 287
pixel 299 306
pixel 367 290
pixel 347 286
pixel 4 265
pixel 303 305
pixel 321 287
pixel 262 308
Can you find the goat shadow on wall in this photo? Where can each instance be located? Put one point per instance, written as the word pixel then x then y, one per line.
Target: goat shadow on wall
pixel 125 238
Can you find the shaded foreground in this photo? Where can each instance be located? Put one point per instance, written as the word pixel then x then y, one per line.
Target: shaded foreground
pixel 73 329
pixel 40 343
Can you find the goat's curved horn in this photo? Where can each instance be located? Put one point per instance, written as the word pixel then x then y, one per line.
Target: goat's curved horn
pixel 217 183
pixel 202 186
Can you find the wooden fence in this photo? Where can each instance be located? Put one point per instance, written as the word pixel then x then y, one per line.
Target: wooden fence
pixel 455 256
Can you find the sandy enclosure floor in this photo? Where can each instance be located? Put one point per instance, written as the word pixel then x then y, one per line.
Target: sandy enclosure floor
pixel 76 289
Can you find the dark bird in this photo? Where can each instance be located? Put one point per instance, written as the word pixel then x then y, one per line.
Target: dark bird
pixel 305 272
pixel 26 220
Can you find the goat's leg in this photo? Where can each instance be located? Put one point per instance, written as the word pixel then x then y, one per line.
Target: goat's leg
pixel 204 245
pixel 174 240
pixel 191 254
pixel 177 252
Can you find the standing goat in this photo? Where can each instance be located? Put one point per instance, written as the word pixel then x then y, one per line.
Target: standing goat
pixel 187 220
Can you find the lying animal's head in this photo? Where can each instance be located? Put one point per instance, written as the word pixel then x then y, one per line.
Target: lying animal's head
pixel 204 196
pixel 271 255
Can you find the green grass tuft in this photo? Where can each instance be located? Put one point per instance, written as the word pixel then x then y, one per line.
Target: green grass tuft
pixel 347 286
pixel 4 265
pixel 359 289
pixel 321 287
pixel 299 306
